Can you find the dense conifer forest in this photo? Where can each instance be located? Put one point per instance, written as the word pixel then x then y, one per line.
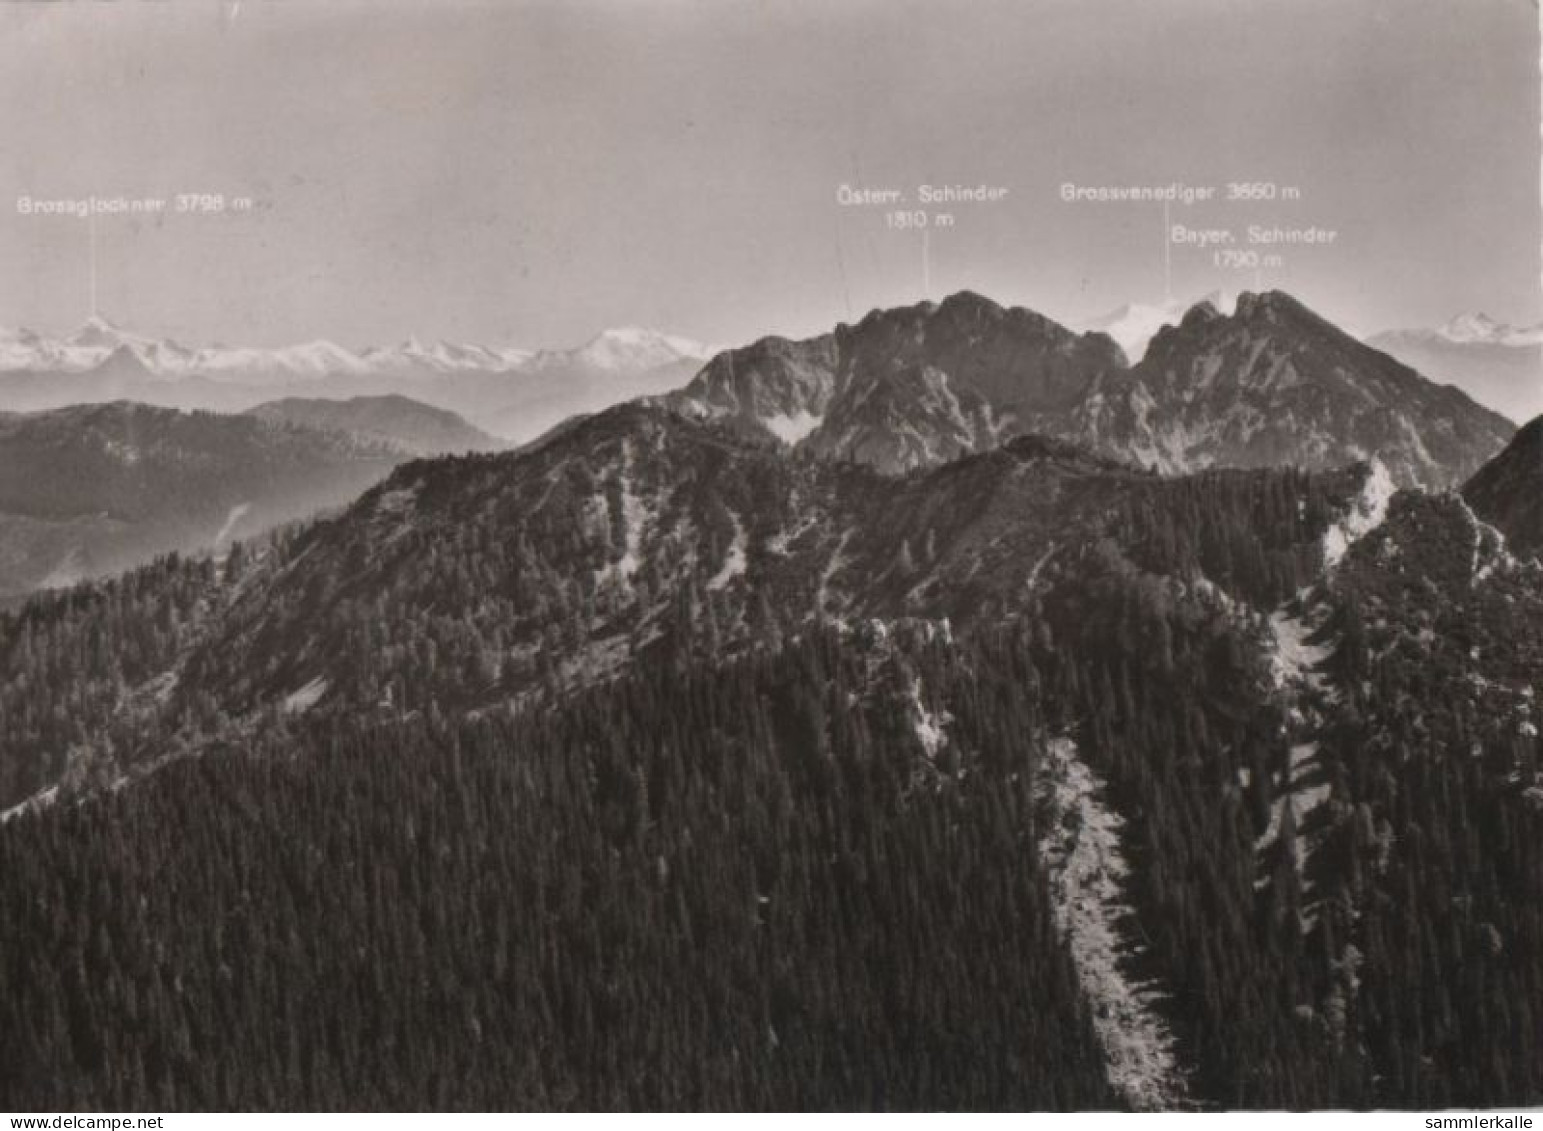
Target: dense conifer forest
pixel 729 891
pixel 755 887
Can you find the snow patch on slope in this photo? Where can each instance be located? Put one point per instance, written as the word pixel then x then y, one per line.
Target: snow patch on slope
pixel 1293 660
pixel 790 428
pixel 734 560
pixel 929 725
pixel 635 515
pixel 1490 553
pixel 1302 787
pixel 70 570
pixel 1081 849
pixel 832 567
pixel 237 513
pixel 306 697
pixel 37 802
pixel 1305 791
pixel 1038 568
pixel 1366 512
pixel 396 500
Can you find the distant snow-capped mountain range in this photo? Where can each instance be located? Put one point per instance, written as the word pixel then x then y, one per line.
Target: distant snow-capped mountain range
pixel 1481 328
pixel 629 349
pixel 516 394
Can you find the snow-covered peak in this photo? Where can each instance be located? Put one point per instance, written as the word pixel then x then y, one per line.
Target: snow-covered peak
pixel 1469 327
pixel 18 348
pixel 415 355
pixel 1481 328
pixel 88 346
pixel 1134 325
pixel 317 357
pixel 97 331
pixel 635 348
pixel 306 360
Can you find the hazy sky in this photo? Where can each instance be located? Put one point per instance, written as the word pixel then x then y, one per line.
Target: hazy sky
pixel 530 172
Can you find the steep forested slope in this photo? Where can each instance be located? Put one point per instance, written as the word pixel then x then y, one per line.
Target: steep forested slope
pixel 741 889
pixel 1508 491
pixel 649 767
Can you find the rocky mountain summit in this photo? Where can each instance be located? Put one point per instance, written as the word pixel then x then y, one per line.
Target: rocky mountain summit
pixel 1272 383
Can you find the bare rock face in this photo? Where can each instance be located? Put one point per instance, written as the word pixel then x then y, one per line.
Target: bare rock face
pixel 1271 383
pixel 909 387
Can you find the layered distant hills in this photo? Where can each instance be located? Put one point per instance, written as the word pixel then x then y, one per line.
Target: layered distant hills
pixel 1497 364
pixel 93 489
pixel 398 421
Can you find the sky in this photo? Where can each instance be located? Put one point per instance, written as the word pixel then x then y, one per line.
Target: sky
pixel 529 173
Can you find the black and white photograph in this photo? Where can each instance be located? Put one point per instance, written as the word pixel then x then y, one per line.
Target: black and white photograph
pixel 739 556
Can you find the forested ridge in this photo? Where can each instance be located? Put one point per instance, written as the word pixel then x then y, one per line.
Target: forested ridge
pixel 489 582
pixel 650 769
